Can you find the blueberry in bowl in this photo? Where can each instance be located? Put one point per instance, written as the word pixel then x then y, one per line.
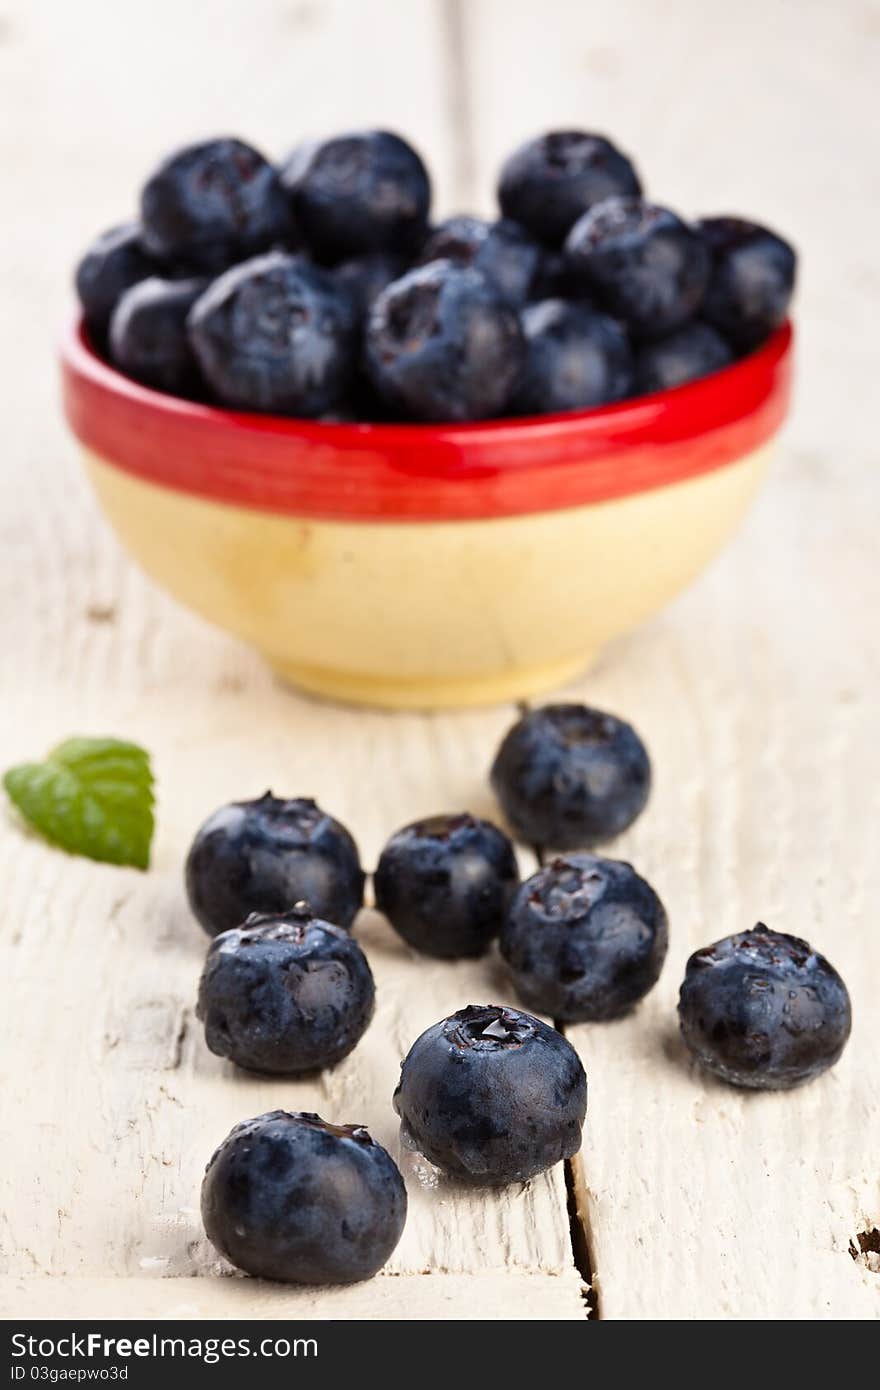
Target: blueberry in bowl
pixel 291 1197
pixel 492 1096
pixel 568 776
pixel 695 350
pixel 357 193
pixel 446 883
pixel 285 993
pixel 762 1009
pixel 642 262
pixel 585 939
pixel 575 358
pixel 267 855
pixel 211 204
pixel 148 336
pixel 549 182
pixel 442 344
pixel 502 251
pixel 276 334
pixel 751 280
pixel 114 262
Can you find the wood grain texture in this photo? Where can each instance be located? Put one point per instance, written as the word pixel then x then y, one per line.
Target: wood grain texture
pixel 755 692
pixel 107 1078
pixel 463 1297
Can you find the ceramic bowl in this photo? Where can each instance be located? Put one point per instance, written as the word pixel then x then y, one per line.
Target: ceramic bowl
pixel 428 565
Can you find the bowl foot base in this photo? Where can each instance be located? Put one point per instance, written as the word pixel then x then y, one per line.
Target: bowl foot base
pixel 427 693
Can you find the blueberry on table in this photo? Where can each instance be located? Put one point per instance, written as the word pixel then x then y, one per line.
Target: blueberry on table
pixel 288 1196
pixel 445 884
pixel 211 204
pixel 114 262
pixel 492 1095
pixel 575 358
pixel 266 856
pixel 503 251
pixel 148 337
pixel 275 334
pixel 585 939
pixel 441 344
pixel 763 1010
pixel 690 352
pixel 547 183
pixel 642 262
pixel 751 281
pixel 357 193
pixel 285 993
pixel 568 776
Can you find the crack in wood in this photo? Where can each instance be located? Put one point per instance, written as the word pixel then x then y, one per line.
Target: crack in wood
pixel 575 1185
pixel 865 1248
pixel 580 1244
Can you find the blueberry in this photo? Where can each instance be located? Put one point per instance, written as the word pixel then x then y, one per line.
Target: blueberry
pixel 267 855
pixel 549 182
pixel 642 262
pixel 585 939
pixel 568 776
pixel 693 351
pixel 752 279
pixel 211 204
pixel 148 338
pixel 502 251
pixel 353 194
pixel 575 357
pixel 275 334
pixel 764 1010
pixel 291 1197
pixel 445 884
pixel 114 262
pixel 492 1095
pixel 441 344
pixel 285 993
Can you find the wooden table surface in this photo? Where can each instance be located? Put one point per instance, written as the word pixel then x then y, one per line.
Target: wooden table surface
pixel 756 692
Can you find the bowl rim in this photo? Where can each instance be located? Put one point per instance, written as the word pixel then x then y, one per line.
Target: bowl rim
pixel 417 471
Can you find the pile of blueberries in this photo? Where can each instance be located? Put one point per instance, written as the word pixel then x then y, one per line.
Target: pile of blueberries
pixel 490 1095
pixel 322 289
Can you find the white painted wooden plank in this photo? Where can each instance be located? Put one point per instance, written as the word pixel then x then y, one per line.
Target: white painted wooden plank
pixel 756 700
pixel 103 964
pixel 122 1102
pixel 511 1295
pixel 756 691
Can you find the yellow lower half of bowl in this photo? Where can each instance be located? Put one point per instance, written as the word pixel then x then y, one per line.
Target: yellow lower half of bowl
pixel 414 614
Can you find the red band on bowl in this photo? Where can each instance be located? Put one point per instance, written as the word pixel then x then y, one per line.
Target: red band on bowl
pixel 426 472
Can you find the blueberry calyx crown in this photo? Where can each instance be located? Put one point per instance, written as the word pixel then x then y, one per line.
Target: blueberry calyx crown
pixel 414 316
pixel 358 1133
pixel 488 1028
pixel 579 726
pixel 774 948
pixel 305 808
pixel 567 890
pixel 278 926
pixel 443 827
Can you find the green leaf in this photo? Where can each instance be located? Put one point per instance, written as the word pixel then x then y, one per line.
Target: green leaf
pixel 92 796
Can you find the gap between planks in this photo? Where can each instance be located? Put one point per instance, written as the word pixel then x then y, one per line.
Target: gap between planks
pixel 459 83
pixel 576 1194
